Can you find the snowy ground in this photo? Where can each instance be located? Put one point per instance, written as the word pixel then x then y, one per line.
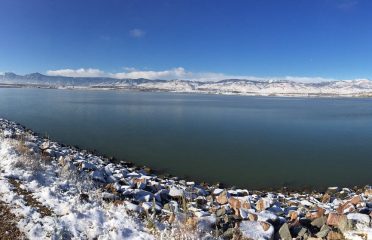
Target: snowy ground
pixel 70 216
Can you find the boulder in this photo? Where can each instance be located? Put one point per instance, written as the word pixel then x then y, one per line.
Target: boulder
pixel 355 200
pixel 359 220
pixel 132 207
pixel 284 232
pixel 217 191
pixel 293 215
pixel 142 195
pixel 326 198
pixel 319 222
pixel 228 234
pixel 109 197
pixel 222 198
pixel 32 146
pixel 262 204
pixel 368 192
pixel 323 231
pixel 236 204
pixel 346 208
pixel 332 235
pixel 256 230
pixel 176 192
pixel 162 195
pixel 50 152
pixel 336 219
pixel 267 216
pixel 333 190
pixel 88 166
pixel 220 212
pixel 150 206
pixel 45 145
pixel 8 133
pixel 99 175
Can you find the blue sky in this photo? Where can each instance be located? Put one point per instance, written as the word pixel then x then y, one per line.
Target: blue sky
pixel 196 39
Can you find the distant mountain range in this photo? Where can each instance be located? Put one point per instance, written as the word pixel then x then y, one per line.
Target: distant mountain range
pixel 228 86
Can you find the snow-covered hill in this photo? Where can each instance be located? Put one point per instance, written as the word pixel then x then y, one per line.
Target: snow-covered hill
pixel 362 87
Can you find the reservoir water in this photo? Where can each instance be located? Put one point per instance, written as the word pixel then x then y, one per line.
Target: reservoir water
pixel 254 142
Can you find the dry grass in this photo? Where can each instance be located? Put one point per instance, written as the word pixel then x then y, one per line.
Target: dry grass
pixel 29 199
pixel 8 224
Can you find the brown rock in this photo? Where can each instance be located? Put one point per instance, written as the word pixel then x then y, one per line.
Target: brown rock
pixel 355 200
pixel 138 180
pixel 235 204
pixel 265 226
pixel 246 205
pixel 252 217
pixel 368 192
pixel 171 218
pixel 320 211
pixel 312 215
pixel 110 188
pixel 346 208
pixel 261 205
pixel 336 219
pixel 332 235
pixel 293 215
pixel 118 202
pixel 222 198
pixel 326 198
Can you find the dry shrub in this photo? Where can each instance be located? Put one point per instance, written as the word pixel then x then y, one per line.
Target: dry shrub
pixel 29 162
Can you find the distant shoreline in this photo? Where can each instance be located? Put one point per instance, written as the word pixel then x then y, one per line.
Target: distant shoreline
pixel 136 89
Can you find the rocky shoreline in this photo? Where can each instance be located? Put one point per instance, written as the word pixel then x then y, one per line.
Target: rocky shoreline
pixel 175 208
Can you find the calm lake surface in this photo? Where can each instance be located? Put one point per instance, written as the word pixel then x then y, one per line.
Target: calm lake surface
pixel 254 142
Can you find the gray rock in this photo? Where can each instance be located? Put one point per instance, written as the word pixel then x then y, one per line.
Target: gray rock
pixel 255 230
pixel 32 146
pixel 109 196
pixel 142 195
pixel 284 232
pixel 176 192
pixel 220 212
pixel 228 234
pixel 359 220
pixel 319 222
pixel 8 133
pixel 88 166
pixel 302 232
pixel 323 231
pixel 99 175
pixel 333 190
pixel 50 152
pixel 162 195
pixel 217 191
pixel 45 145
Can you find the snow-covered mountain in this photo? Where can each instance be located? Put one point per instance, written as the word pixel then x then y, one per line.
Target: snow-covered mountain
pixel 361 87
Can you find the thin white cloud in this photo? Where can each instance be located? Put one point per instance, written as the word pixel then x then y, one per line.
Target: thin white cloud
pixel 81 72
pixel 137 33
pixel 175 73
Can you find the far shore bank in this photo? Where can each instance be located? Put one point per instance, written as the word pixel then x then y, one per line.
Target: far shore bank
pixel 246 94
